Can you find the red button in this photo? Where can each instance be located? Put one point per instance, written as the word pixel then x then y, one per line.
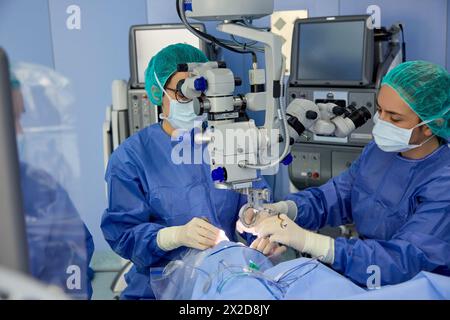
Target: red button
pixel 316 175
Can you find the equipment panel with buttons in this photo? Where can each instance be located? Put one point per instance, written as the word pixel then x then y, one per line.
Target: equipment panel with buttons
pixel 142 112
pixel 313 166
pixel 310 165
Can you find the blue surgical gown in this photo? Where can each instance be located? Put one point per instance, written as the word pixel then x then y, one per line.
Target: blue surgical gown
pixel 60 246
pixel 148 191
pixel 401 210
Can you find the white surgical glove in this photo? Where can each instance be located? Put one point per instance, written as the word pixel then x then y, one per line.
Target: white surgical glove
pixel 285 231
pixel 197 234
pixel 270 249
pixel 286 207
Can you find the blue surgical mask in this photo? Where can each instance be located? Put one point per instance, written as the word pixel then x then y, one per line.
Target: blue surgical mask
pixel 391 138
pixel 181 115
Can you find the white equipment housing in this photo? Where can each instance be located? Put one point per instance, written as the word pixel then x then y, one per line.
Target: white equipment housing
pixel 207 10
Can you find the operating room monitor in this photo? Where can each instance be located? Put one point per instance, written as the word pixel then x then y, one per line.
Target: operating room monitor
pixel 147 40
pixel 333 51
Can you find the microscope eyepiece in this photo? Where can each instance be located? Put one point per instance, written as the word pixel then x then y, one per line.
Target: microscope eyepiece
pixel 338 111
pixel 360 116
pixel 311 115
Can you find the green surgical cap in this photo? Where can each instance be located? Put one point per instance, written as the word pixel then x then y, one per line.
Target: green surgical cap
pixel 425 87
pixel 165 64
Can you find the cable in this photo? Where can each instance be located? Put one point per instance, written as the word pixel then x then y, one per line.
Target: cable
pixel 237 271
pixel 276 285
pixel 243 23
pixel 403 42
pixel 243 44
pixel 284 275
pixel 226 248
pixel 282 282
pixel 211 39
pixel 246 46
pixel 281 116
pixel 207 37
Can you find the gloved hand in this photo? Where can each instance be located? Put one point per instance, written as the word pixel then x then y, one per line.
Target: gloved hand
pixel 270 249
pixel 249 218
pixel 269 209
pixel 197 234
pixel 283 230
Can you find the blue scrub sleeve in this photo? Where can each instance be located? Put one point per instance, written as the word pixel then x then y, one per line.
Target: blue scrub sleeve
pixel 127 223
pixel 422 244
pixel 329 204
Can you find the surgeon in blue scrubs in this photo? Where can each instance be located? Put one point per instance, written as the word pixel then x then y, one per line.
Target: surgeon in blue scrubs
pixel 158 205
pixel 60 246
pixel 397 193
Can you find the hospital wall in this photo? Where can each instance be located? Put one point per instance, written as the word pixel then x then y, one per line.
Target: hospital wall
pixel 35 31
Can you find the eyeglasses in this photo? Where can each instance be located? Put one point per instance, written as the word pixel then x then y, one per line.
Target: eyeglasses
pixel 179 96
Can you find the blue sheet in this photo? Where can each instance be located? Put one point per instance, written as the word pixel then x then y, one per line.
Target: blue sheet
pixel 424 286
pixel 232 271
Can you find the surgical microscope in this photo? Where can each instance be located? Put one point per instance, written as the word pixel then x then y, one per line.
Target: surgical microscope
pixel 240 151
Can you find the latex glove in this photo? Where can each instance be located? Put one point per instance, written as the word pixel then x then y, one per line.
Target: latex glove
pixel 270 249
pixel 197 234
pixel 249 216
pixel 283 230
pixel 287 207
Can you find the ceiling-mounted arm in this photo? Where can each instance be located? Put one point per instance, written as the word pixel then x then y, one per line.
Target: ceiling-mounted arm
pixel 274 61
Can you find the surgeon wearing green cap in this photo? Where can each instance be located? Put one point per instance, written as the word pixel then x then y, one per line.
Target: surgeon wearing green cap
pixel 161 81
pixel 397 194
pixel 157 207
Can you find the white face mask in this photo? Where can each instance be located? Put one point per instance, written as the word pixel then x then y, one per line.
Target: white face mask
pixel 181 115
pixel 391 138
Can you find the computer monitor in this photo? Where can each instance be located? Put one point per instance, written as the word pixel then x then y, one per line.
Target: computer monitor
pixel 147 40
pixel 333 51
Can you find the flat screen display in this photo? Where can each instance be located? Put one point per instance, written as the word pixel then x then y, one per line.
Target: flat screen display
pixel 331 51
pixel 149 42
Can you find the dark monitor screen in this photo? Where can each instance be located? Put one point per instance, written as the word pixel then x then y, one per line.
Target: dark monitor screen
pixel 147 40
pixel 150 41
pixel 331 51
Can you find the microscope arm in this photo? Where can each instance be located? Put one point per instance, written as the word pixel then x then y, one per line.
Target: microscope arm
pixel 274 64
